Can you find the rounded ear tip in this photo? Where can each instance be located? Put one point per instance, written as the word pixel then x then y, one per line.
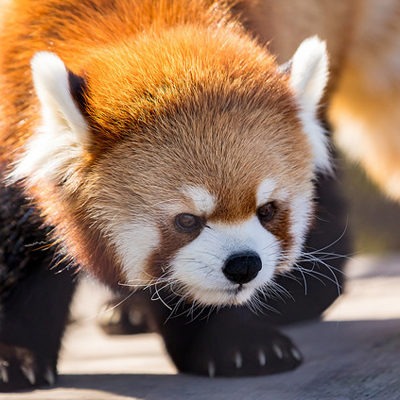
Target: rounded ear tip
pixel 40 55
pixel 313 45
pixel 310 67
pixel 315 41
pixel 44 60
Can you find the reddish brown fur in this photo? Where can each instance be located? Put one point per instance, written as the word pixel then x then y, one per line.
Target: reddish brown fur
pixel 114 32
pixel 171 242
pixel 280 227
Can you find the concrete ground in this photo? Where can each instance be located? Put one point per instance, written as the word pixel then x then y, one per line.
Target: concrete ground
pixel 354 353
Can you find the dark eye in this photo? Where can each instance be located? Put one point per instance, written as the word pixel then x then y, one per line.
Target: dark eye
pixel 188 223
pixel 266 212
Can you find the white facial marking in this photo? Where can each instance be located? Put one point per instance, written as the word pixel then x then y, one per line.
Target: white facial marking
pixel 308 79
pixel 56 148
pixel 202 199
pixel 198 265
pixel 301 209
pixel 134 243
pixel 265 191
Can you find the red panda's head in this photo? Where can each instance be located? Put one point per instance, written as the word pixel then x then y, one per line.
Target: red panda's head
pixel 187 158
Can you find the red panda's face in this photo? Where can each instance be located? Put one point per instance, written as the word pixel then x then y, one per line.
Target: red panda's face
pixel 195 173
pixel 213 210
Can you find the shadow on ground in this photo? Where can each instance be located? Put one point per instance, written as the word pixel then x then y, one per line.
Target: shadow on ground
pixel 343 360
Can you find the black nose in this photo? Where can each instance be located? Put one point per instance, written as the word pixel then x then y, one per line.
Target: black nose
pixel 242 267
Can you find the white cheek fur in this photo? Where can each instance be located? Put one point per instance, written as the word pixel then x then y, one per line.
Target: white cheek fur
pixel 300 219
pixel 198 265
pixel 135 242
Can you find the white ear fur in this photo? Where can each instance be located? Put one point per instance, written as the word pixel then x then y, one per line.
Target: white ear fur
pixel 309 72
pixel 308 79
pixel 54 149
pixel 50 78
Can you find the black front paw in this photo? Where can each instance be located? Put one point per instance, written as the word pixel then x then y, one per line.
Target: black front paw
pixel 21 369
pixel 229 346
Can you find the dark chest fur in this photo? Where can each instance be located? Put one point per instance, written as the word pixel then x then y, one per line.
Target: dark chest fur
pixel 24 240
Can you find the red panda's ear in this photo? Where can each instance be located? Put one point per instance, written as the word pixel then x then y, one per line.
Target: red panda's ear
pixel 308 77
pixel 58 90
pixel 309 73
pixel 55 148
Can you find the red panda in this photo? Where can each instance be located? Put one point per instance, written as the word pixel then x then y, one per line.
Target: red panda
pixel 159 138
pixel 164 143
